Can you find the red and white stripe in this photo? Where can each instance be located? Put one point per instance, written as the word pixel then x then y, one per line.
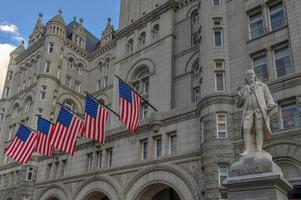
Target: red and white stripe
pixel 21 151
pixel 43 144
pixel 130 113
pixel 64 138
pixel 95 128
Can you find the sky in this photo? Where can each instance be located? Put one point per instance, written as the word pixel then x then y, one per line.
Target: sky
pixel 18 18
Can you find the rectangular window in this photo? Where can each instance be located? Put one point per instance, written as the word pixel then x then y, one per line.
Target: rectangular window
pixel 98 159
pixel 197 94
pixel 256 24
pixel 260 66
pixel 217 21
pixel 29 173
pixel 47 67
pixel 215 2
pixel 6 92
pixel 29 82
pixel 172 144
pixel 63 167
pixel 158 147
pixel 220 81
pixel 77 86
pixel 145 84
pixel 202 130
pixel 89 161
pixel 98 84
pixel 222 173
pixel 49 169
pixel 19 88
pixel 109 157
pixel 224 195
pixel 144 148
pixel 289 115
pixel 50 47
pixel 10 75
pixel 56 168
pixel 221 125
pixel 219 64
pixel 195 38
pixel 42 95
pixel 105 82
pixel 68 81
pixel 58 73
pixel 144 111
pixel 282 60
pixel 218 38
pixel 26 197
pixel 277 18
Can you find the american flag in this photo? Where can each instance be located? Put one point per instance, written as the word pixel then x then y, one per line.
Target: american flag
pixel 23 145
pixel 43 137
pixel 95 120
pixel 129 107
pixel 64 132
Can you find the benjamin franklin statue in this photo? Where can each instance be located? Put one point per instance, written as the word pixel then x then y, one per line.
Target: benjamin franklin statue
pixel 258 105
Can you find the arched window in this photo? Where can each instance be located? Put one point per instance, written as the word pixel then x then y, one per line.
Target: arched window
pixel 195 17
pixel 80 68
pixel 71 63
pixel 28 104
pixel 155 31
pixel 140 82
pixel 197 82
pixel 70 104
pixel 129 46
pixel 15 111
pixel 142 39
pixel 107 63
pixel 100 65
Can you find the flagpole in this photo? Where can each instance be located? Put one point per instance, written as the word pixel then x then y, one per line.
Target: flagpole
pixel 102 104
pixel 38 115
pixel 138 94
pixel 78 114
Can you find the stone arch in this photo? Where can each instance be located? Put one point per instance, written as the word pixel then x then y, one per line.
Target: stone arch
pixel 12 105
pixel 288 156
pixel 8 196
pixel 171 175
pixel 66 96
pixel 59 191
pixel 110 56
pixel 31 94
pixel 192 9
pixel 284 149
pixel 139 64
pixel 191 61
pixel 104 184
pixel 105 97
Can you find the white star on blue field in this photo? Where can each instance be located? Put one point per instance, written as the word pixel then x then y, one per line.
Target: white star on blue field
pixel 18 18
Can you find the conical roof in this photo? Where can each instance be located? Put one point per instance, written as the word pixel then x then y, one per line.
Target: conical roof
pixel 39 27
pixel 58 18
pixel 19 49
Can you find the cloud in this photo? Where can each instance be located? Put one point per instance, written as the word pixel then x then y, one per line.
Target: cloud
pixel 11 29
pixel 5 49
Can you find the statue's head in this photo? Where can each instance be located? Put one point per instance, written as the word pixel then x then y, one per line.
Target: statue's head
pixel 250 76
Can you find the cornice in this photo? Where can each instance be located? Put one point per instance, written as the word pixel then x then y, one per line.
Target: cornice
pixel 30 49
pixel 101 50
pixel 216 99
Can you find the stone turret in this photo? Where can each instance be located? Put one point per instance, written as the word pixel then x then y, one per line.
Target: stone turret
pixel 38 31
pixel 108 34
pixel 56 25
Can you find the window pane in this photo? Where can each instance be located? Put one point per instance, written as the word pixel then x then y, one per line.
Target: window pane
pixel 256 25
pixel 158 147
pixel 277 16
pixel 290 115
pixel 283 61
pixel 219 82
pixel 173 144
pixel 215 2
pixel 218 38
pixel 260 67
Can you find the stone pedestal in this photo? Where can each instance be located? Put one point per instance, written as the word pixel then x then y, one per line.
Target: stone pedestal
pixel 256 177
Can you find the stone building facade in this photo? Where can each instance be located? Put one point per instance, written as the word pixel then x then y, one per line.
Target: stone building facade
pixel 187 57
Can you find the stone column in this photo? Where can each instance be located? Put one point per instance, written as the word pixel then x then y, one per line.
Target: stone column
pixel 256 177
